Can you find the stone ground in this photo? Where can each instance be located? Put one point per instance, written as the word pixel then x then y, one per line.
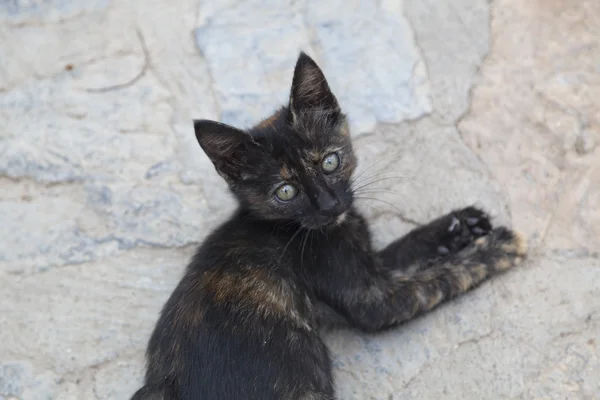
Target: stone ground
pixel 104 191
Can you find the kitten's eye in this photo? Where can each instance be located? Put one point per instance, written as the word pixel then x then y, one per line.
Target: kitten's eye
pixel 330 163
pixel 286 192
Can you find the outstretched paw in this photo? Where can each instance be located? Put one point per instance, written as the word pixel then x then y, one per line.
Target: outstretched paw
pixel 500 250
pixel 461 227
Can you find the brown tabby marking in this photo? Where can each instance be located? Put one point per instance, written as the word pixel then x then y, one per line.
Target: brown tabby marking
pixel 254 291
pixel 269 121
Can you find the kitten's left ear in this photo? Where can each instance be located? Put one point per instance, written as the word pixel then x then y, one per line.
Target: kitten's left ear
pixel 310 90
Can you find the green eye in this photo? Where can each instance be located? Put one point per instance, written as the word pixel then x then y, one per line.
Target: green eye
pixel 286 192
pixel 330 163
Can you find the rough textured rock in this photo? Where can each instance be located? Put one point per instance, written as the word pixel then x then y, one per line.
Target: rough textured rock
pixel 104 191
pixel 534 118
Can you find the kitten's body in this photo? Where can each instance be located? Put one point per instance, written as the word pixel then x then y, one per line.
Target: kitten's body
pixel 244 321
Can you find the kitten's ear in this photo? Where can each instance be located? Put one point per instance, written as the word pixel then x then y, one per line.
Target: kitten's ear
pixel 310 89
pixel 227 147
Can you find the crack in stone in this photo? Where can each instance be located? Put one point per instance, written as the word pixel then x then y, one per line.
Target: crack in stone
pixel 124 245
pixel 427 366
pixel 582 253
pixel 474 340
pixel 379 214
pixel 136 78
pixel 468 111
pixel 42 183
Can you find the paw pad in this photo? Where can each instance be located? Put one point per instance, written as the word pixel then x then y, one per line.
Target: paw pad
pixel 463 227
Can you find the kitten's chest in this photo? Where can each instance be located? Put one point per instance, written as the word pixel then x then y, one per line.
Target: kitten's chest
pixel 334 252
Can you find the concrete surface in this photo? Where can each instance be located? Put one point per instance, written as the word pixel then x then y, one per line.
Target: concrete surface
pixel 104 191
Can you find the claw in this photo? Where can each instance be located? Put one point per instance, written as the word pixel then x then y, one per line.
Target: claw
pixel 453 224
pixel 472 221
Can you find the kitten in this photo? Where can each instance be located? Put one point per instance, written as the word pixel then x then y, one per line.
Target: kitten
pixel 296 257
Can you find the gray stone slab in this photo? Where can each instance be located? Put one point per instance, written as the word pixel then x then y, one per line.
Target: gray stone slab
pixel 453 37
pixel 251 59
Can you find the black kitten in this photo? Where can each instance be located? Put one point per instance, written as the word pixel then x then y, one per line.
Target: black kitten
pixel 244 321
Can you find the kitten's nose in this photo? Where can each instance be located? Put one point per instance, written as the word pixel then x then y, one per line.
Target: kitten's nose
pixel 328 204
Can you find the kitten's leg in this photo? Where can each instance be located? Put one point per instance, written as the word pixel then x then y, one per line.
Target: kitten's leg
pixel 439 238
pixel 392 297
pixel 327 318
pixel 153 393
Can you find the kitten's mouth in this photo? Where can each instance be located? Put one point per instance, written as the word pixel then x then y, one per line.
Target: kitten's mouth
pixel 341 218
pixel 326 222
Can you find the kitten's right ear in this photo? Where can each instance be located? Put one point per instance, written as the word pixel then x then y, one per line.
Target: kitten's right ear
pixel 226 146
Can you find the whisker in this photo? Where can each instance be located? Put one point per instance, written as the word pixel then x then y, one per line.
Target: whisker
pixel 288 243
pixel 305 237
pixel 381 172
pixel 356 180
pixel 375 181
pixel 324 233
pixel 378 190
pixel 383 201
pixel 383 191
pixel 374 164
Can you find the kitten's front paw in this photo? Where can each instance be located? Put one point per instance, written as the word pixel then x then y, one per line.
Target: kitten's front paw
pixel 461 227
pixel 500 250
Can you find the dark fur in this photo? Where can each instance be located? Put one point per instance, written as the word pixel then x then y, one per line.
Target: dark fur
pixel 244 321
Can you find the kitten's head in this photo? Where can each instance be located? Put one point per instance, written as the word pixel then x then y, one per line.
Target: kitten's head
pixel 295 165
